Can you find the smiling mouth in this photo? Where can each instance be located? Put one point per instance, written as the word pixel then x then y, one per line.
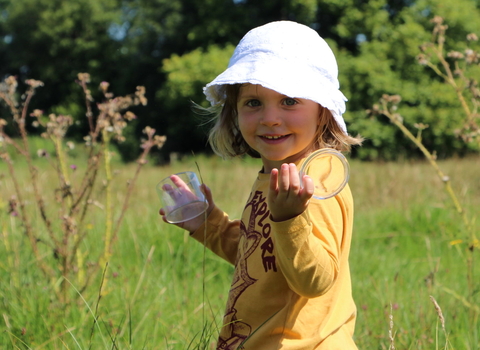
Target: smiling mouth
pixel 276 137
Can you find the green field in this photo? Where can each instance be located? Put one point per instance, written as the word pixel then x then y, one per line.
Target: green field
pixel 164 291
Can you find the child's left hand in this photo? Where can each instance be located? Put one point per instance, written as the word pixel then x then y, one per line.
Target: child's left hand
pixel 286 198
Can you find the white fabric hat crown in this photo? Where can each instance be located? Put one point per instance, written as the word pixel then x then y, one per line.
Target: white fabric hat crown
pixel 289 58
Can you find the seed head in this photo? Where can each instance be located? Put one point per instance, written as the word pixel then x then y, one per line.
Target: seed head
pixel 437 20
pixel 439 312
pixel 84 77
pixel 471 56
pixel 421 126
pixel 42 153
pixel 422 59
pixel 455 54
pixel 472 37
pixel 104 86
pixel 34 83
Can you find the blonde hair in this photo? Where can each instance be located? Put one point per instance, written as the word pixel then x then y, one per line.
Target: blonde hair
pixel 227 141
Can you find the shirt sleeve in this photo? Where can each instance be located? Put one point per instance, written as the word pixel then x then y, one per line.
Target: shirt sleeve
pixel 220 235
pixel 309 246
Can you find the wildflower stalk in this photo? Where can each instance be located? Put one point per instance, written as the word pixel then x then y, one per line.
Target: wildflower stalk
pixel 64 176
pixel 465 86
pixel 441 318
pixel 388 108
pixel 19 117
pixel 397 121
pixel 462 86
pixel 108 202
pixel 72 202
pixel 108 175
pixel 466 90
pixel 10 261
pixel 26 222
pixel 151 141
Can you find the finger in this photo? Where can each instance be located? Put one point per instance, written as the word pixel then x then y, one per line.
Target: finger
pixel 177 181
pixel 172 192
pixel 294 178
pixel 167 188
pixel 208 196
pixel 206 191
pixel 308 187
pixel 273 181
pixel 164 218
pixel 284 179
pixel 163 215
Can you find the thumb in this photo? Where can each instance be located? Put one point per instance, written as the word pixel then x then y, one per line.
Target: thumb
pixel 208 194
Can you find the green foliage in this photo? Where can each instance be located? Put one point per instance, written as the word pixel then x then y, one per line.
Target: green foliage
pixel 128 43
pixel 52 40
pixel 386 63
pixel 186 76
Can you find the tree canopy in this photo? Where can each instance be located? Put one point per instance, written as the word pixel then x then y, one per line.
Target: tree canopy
pixel 174 47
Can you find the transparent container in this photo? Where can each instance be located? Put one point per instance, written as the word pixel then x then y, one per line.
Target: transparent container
pixel 329 171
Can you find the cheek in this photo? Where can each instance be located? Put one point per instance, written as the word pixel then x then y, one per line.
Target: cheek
pixel 244 125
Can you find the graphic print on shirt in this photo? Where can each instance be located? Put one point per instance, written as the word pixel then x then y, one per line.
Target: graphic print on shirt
pixel 235 331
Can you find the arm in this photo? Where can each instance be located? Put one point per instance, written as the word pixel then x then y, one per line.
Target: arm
pixel 309 246
pixel 220 235
pixel 308 233
pixel 217 232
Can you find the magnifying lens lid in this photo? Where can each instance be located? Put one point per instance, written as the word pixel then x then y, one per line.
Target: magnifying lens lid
pixel 329 171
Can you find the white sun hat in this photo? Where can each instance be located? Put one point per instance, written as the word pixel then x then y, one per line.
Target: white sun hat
pixel 289 58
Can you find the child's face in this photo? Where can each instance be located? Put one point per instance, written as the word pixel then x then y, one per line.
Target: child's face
pixel 280 128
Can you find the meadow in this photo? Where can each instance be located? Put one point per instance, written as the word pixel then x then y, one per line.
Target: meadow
pixel 165 291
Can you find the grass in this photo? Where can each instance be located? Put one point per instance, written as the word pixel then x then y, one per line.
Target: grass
pixel 166 292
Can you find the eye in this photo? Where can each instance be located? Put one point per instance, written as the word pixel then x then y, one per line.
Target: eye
pixel 253 103
pixel 290 101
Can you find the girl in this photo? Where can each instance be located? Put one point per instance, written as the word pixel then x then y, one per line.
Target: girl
pixel 291 288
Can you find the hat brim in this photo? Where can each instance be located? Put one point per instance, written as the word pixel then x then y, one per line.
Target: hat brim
pixel 276 74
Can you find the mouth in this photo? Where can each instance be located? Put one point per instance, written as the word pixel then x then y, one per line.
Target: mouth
pixel 273 137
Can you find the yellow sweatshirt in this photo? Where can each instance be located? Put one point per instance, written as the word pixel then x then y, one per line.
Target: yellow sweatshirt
pixel 291 288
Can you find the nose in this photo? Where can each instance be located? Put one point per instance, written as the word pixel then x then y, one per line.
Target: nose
pixel 270 116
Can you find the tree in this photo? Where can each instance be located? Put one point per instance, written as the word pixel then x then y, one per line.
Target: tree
pixel 383 60
pixel 54 40
pixel 143 42
pixel 174 42
pixel 186 76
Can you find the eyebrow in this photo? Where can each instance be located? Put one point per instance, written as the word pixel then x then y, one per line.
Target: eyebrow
pixel 255 94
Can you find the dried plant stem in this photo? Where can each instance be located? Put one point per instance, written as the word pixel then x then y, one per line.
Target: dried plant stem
pixel 20 120
pixel 32 170
pixel 63 172
pixel 391 333
pixel 86 186
pixel 131 184
pixel 469 259
pixel 431 159
pixel 71 203
pixel 449 77
pixel 441 318
pixel 108 204
pixel 435 48
pixel 395 119
pixel 84 79
pixel 108 201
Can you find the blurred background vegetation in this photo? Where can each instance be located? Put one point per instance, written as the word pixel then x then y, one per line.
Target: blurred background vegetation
pixel 174 47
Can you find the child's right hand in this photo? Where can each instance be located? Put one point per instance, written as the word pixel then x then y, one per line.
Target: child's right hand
pixel 286 197
pixel 193 224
